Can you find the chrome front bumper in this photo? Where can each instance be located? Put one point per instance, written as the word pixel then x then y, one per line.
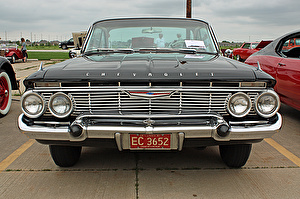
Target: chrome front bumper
pixel 245 130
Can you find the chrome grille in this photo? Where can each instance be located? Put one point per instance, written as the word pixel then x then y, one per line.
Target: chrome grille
pixel 112 100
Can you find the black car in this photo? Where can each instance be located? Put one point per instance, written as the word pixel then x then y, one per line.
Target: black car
pixel 67 44
pixel 150 84
pixel 8 83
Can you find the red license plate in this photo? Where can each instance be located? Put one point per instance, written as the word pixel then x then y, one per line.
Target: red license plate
pixel 150 141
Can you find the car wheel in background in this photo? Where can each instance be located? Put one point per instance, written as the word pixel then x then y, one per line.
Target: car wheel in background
pixel 13 59
pixel 235 156
pixel 5 93
pixel 64 47
pixel 65 156
pixel 72 55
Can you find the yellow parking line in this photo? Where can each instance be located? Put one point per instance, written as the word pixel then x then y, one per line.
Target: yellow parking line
pixel 283 151
pixel 12 157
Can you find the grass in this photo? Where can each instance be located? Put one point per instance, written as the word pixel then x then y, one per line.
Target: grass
pixel 48 55
pixel 42 47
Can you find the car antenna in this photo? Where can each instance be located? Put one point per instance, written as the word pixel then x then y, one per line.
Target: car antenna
pixel 41 67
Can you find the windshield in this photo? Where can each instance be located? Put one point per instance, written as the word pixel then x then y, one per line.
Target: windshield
pixel 137 34
pixel 9 45
pixel 254 45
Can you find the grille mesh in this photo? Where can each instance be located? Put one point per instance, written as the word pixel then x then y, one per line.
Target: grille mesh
pixel 175 104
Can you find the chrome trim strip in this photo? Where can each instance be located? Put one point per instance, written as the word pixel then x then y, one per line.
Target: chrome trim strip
pixel 260 84
pixel 150 116
pixel 143 88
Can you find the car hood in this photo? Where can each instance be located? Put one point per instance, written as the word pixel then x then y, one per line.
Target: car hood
pixel 149 67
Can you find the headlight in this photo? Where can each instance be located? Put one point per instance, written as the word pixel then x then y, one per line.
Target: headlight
pixel 239 105
pixel 267 104
pixel 32 104
pixel 60 105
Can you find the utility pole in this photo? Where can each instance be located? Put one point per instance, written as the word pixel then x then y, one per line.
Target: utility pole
pixel 188 8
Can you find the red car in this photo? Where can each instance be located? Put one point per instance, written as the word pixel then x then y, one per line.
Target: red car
pixel 11 52
pixel 248 49
pixel 284 65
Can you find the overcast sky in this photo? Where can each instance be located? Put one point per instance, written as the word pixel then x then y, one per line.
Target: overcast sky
pixel 233 20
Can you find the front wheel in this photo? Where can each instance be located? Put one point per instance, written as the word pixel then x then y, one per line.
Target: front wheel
pixel 238 57
pixel 13 59
pixel 235 156
pixel 65 156
pixel 64 47
pixel 5 93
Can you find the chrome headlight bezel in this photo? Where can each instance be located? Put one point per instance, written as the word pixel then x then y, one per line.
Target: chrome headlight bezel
pixel 39 101
pixel 65 99
pixel 276 104
pixel 234 98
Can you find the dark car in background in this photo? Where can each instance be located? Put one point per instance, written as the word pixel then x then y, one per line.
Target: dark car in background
pixel 66 44
pixel 150 84
pixel 281 59
pixel 248 49
pixel 8 83
pixel 11 52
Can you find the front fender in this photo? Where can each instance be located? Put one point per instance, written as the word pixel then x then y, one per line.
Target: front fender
pixel 9 54
pixel 5 65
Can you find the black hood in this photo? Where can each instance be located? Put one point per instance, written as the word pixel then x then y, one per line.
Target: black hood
pixel 149 67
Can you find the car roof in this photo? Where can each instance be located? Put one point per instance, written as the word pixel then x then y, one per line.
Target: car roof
pixel 141 18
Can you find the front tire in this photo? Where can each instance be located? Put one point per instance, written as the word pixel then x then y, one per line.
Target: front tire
pixel 13 59
pixel 238 57
pixel 65 156
pixel 5 93
pixel 235 156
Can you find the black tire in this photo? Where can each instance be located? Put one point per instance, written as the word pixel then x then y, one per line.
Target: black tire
pixel 239 58
pixel 72 55
pixel 235 156
pixel 64 47
pixel 5 93
pixel 65 156
pixel 13 59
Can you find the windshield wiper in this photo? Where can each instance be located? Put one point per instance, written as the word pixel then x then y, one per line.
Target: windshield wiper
pixel 172 50
pixel 167 50
pixel 101 51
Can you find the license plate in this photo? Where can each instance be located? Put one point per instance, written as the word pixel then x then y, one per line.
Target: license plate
pixel 150 141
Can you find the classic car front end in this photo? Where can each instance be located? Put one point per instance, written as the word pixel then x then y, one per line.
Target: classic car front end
pixel 150 84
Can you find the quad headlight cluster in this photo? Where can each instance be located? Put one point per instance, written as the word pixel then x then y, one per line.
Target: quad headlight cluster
pixel 266 104
pixel 34 105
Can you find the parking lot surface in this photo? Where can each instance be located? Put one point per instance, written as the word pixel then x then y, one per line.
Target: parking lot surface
pixel 27 170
